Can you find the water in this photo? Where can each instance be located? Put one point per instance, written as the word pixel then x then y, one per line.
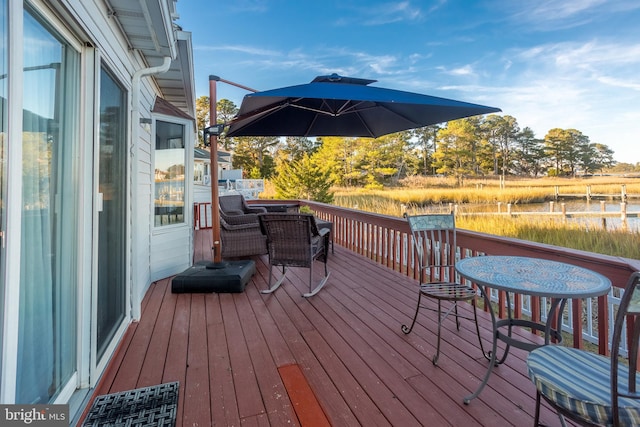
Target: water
pixel 632 221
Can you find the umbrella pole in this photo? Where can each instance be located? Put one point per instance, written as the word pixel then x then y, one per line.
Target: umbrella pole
pixel 213 154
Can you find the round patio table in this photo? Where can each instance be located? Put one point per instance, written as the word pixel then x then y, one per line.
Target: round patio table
pixel 534 277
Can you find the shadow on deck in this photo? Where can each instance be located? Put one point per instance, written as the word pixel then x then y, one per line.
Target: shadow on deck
pixel 229 352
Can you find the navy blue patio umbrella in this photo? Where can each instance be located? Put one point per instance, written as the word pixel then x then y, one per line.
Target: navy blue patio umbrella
pixel 343 106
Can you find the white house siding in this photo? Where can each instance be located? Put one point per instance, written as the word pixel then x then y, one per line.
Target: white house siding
pixel 151 253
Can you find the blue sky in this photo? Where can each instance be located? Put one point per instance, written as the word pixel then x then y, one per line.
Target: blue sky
pixel 548 63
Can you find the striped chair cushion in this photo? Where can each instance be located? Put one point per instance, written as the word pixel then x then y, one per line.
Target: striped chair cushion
pixel 579 382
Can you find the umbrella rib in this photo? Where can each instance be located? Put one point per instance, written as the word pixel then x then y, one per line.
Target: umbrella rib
pixel 315 110
pixel 264 111
pixel 344 109
pixel 365 124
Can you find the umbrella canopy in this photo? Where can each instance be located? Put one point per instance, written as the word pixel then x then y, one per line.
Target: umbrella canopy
pixel 343 106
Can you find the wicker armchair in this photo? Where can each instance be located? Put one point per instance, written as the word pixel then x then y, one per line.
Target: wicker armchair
pixel 241 239
pixel 235 204
pixel 293 240
pixel 240 219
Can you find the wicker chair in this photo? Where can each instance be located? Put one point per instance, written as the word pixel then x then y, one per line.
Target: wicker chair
pixel 241 239
pixel 235 204
pixel 240 219
pixel 589 388
pixel 434 243
pixel 293 240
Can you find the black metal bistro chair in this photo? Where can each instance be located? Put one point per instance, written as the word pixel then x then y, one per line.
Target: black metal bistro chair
pixel 294 240
pixel 589 388
pixel 434 244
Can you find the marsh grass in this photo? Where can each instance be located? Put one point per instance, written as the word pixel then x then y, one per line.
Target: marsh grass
pixel 476 195
pixel 436 194
pixel 420 191
pixel 555 232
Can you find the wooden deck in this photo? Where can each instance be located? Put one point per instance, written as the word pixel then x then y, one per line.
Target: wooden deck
pixel 338 357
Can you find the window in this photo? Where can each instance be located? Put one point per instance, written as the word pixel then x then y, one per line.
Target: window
pixel 170 170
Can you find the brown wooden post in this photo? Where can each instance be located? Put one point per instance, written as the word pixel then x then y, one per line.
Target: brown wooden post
pixel 578 342
pixel 213 155
pixel 603 325
pixel 535 310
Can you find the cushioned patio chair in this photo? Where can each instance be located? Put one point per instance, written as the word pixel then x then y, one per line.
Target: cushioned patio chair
pixel 434 243
pixel 251 219
pixel 235 204
pixel 589 388
pixel 240 239
pixel 293 240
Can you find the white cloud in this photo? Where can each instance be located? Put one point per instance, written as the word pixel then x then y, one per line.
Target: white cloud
pixel 466 70
pixel 385 13
pixel 250 50
pixel 551 15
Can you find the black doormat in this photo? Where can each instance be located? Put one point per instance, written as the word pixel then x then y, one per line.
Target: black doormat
pixel 148 406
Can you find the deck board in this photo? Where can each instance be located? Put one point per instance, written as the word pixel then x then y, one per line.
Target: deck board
pixel 226 351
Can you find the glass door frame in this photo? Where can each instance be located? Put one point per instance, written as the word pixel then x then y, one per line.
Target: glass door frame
pixel 97 366
pixel 14 200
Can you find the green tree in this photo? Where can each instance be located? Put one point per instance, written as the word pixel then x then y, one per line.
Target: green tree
pixel 501 132
pixel 202 117
pixel 528 153
pixel 425 139
pixel 556 143
pixel 381 158
pixel 254 152
pixel 489 129
pixel 595 157
pixel 225 111
pixel 294 148
pixel 456 150
pixel 303 179
pixel 338 155
pixel 578 150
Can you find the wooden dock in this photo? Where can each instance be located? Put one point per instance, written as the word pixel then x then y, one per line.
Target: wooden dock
pixel 589 195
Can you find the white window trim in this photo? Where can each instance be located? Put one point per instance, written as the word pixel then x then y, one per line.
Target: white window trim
pixel 188 163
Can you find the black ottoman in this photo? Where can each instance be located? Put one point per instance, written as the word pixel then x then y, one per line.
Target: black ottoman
pixel 229 276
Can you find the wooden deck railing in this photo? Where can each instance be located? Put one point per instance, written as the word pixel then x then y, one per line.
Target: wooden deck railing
pixel 384 239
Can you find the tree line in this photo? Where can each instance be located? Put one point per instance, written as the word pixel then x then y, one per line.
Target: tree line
pixel 471 147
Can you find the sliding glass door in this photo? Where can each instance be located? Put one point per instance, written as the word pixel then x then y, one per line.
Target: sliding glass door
pixel 4 70
pixel 112 217
pixel 48 272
